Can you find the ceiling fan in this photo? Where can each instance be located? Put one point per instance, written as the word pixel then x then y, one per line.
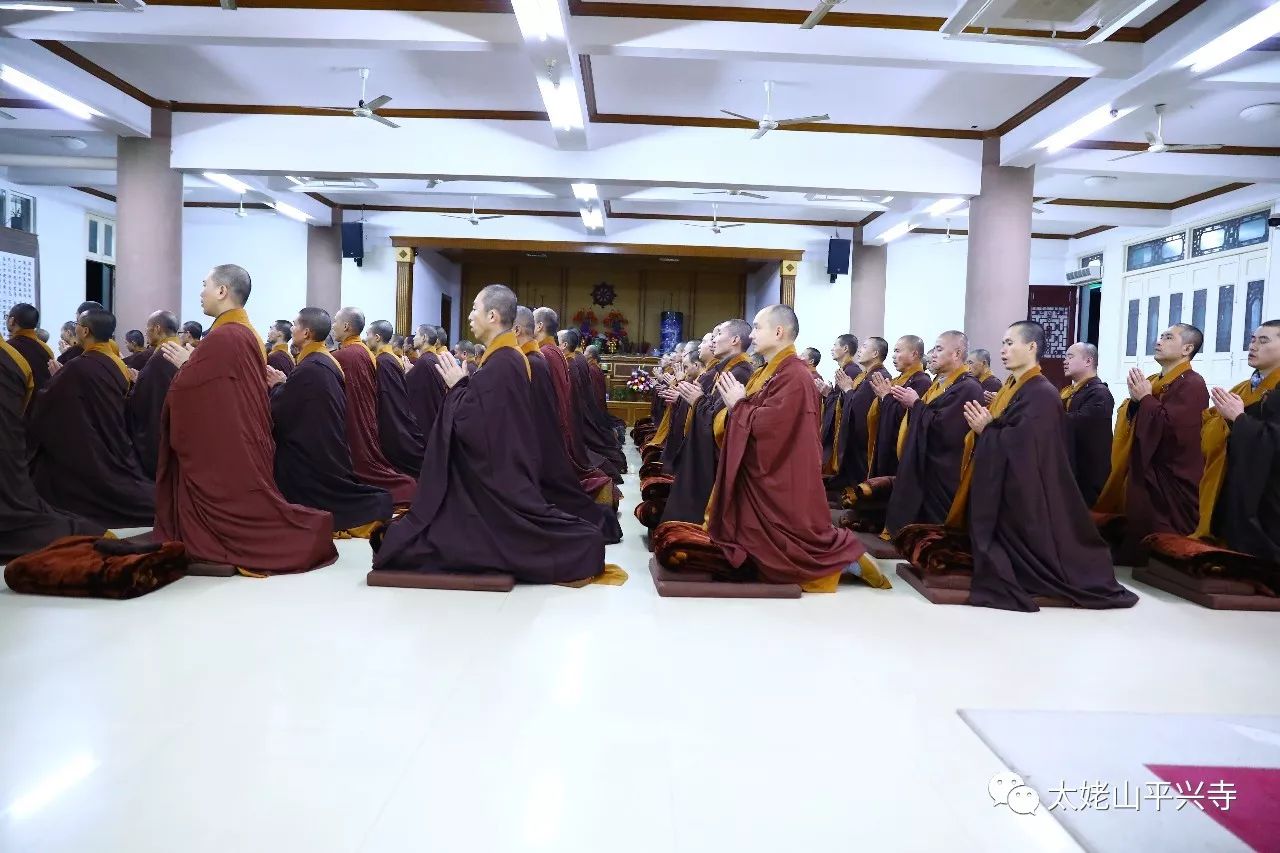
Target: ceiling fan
pixel 432 183
pixel 366 109
pixel 1156 143
pixel 767 122
pixel 741 193
pixel 242 212
pixel 715 225
pixel 473 219
pixel 951 238
pixel 819 12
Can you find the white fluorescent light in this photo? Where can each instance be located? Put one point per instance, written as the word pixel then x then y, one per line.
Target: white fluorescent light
pixel 238 187
pixel 1120 20
pixel 561 102
pixel 34 7
pixel 942 206
pixel 1236 40
pixel 593 218
pixel 296 182
pixel 1077 130
pixel 539 19
pixel 897 231
pixel 47 93
pixel 585 192
pixel 289 211
pixel 52 786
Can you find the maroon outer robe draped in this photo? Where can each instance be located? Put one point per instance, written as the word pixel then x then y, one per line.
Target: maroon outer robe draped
pixel 36 358
pixel 138 360
pixel 482 508
pixel 1165 464
pixel 1090 413
pixel 675 430
pixel 991 384
pixel 371 465
pixel 27 522
pixel 215 490
pixel 312 461
pixel 851 449
pixel 398 433
pixel 556 476
pixel 1247 515
pixel 281 361
pixel 1031 532
pixel 593 478
pixel 885 463
pixel 597 432
pixel 929 472
pixel 72 352
pixel 769 505
pixel 830 404
pixel 145 407
pixel 426 391
pixel 695 466
pixel 83 461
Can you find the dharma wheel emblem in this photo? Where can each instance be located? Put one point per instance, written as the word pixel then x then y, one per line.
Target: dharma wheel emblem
pixel 603 294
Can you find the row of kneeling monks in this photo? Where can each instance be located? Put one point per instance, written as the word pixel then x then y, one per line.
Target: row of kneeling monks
pixel 258 460
pixel 1014 492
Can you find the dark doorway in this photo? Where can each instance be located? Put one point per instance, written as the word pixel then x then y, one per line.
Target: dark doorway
pixel 100 284
pixel 1093 312
pixel 446 317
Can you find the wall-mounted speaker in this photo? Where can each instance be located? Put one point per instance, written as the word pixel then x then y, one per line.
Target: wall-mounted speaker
pixel 838 254
pixel 353 241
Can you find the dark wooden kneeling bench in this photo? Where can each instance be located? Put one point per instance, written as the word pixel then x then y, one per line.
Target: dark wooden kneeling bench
pixel 477 582
pixel 1213 593
pixel 701 585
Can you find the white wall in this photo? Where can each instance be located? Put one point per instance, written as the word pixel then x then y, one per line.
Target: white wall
pixel 372 287
pixel 925 287
pixel 60 225
pixel 433 276
pixel 272 248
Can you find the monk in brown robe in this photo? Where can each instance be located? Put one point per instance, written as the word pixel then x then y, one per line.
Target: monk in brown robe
pixel 22 320
pixel 144 409
pixel 27 522
pixel 842 352
pixel 191 335
pixel 67 338
pixel 1030 532
pixel 82 459
pixel 812 358
pixel 768 512
pixel 425 387
pixel 857 395
pixel 1156 459
pixel 979 364
pixel 136 350
pixel 309 417
pixel 1090 408
pixel 361 374
pixel 215 488
pixel 278 356
pixel 691 367
pixel 695 465
pixel 884 418
pixel 483 508
pixel 398 433
pixel 597 431
pixel 70 333
pixel 932 436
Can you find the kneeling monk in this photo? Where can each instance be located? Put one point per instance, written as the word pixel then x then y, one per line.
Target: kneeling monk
pixel 482 508
pixel 1029 528
pixel 215 489
pixel 399 435
pixel 768 508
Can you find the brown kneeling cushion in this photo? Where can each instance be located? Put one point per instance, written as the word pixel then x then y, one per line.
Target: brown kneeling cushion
pixel 878 548
pixel 478 582
pixel 940 565
pixel 953 588
pixel 684 547
pixel 649 513
pixel 89 567
pixel 657 487
pixel 683 584
pixel 1209 575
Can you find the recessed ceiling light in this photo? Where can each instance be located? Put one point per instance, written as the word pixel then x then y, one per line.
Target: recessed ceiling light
pixel 72 143
pixel 1261 112
pixel 1100 180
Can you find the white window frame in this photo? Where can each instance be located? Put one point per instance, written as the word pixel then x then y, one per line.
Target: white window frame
pixel 103 221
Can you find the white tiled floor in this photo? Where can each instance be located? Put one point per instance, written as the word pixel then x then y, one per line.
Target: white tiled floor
pixel 313 713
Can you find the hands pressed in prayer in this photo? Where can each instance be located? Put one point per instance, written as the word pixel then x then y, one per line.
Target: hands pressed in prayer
pixel 450 370
pixel 133 374
pixel 823 388
pixel 667 394
pixel 904 395
pixel 1139 385
pixel 690 391
pixel 843 382
pixel 731 390
pixel 978 416
pixel 405 363
pixel 880 384
pixel 1229 405
pixel 274 377
pixel 54 366
pixel 175 353
pixel 989 397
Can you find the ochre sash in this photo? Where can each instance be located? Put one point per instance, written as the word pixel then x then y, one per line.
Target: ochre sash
pixel 506 340
pixel 241 318
pixel 958 516
pixel 1070 391
pixel 936 390
pixel 318 348
pixel 754 384
pixel 529 346
pixel 389 350
pixel 284 348
pixel 354 341
pixel 31 333
pixel 1112 498
pixel 984 375
pixel 1214 433
pixel 832 465
pixel 22 366
pixel 873 414
pixel 105 350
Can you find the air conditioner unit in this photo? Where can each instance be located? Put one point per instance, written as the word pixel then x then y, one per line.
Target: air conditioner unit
pixel 1085 275
pixel 333 185
pixel 1047 16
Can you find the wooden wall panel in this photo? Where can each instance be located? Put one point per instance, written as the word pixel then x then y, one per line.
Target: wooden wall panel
pixel 718 297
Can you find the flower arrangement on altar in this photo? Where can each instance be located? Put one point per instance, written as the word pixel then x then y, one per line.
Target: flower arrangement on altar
pixel 586 320
pixel 640 382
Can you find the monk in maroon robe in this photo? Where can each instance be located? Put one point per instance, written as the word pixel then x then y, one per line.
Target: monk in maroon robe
pixel 979 364
pixel 82 459
pixel 215 488
pixel 843 352
pixel 75 348
pixel 768 512
pixel 309 417
pixel 1030 531
pixel 1156 459
pixel 144 409
pixel 398 433
pixel 23 320
pixel 884 418
pixel 68 346
pixel 138 352
pixel 361 373
pixel 692 369
pixel 482 508
pixel 278 355
pixel 597 432
pixel 27 522
pixel 933 445
pixel 425 387
pixel 857 394
pixel 1090 408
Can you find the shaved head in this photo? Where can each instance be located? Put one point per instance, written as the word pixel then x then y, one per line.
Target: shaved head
pixel 316 321
pixel 383 329
pixel 353 318
pixel 548 319
pixel 784 316
pixel 524 322
pixel 166 322
pixel 914 343
pixel 812 356
pixel 502 299
pixel 235 279
pixel 981 355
